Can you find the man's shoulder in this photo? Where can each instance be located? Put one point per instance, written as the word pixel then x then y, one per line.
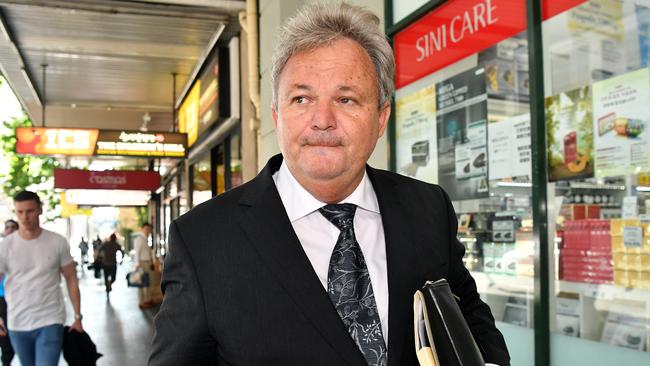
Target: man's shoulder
pixel 53 237
pixel 400 180
pixel 220 206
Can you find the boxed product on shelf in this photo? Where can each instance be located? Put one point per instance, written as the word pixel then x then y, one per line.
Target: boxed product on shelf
pixel 591 234
pixel 576 211
pixel 631 261
pixel 586 252
pixel 632 278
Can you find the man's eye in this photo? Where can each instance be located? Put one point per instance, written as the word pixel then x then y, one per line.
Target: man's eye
pixel 300 100
pixel 346 100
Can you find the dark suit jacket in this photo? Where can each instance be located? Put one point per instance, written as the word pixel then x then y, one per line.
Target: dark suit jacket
pixel 240 290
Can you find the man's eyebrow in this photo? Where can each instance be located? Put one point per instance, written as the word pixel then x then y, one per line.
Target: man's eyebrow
pixel 300 87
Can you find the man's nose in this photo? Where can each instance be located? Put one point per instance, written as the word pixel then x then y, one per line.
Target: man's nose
pixel 323 117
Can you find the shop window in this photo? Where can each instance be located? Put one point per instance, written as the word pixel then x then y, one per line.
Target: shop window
pixel 597 89
pixel 235 161
pixel 463 122
pixel 201 181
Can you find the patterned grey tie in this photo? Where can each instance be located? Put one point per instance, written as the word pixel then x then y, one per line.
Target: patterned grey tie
pixel 349 287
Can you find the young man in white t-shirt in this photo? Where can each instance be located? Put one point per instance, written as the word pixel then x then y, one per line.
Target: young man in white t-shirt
pixel 33 259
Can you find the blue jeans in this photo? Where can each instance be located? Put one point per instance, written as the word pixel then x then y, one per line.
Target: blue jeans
pixel 40 346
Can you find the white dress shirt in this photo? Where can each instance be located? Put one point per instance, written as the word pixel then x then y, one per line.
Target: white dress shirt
pixel 318 236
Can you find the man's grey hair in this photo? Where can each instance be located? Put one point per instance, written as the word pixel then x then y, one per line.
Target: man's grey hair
pixel 318 25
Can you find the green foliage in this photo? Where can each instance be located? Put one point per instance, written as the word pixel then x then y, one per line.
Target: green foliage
pixel 26 171
pixel 142 214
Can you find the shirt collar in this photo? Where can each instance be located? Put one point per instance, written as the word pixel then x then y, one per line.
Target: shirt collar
pixel 298 202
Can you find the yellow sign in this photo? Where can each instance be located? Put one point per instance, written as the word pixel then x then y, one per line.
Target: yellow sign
pixel 55 141
pixel 188 114
pixel 68 210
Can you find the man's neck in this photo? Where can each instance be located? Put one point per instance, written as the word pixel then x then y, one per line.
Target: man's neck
pixel 29 234
pixel 331 191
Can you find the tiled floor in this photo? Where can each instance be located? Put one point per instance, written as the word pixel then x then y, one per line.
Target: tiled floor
pixel 121 331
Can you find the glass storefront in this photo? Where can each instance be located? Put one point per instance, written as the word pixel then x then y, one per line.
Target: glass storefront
pixel 597 92
pixel 463 120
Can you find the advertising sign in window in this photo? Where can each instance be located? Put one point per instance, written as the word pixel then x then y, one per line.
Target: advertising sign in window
pixel 416 135
pixel 462 135
pixel 209 95
pixel 188 114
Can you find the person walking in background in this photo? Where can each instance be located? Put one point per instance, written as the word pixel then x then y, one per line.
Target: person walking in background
pixel 144 259
pixel 97 258
pixel 108 251
pixel 83 248
pixel 10 227
pixel 5 344
pixel 33 260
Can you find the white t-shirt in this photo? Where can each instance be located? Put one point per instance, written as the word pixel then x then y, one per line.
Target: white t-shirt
pixel 33 288
pixel 142 250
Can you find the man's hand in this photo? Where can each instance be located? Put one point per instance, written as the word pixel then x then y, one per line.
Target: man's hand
pixel 3 328
pixel 77 326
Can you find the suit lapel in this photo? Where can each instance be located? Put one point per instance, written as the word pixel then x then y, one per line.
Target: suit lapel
pixel 269 230
pixel 399 231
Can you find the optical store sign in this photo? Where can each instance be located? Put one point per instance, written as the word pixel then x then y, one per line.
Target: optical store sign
pixel 110 179
pixel 71 141
pixel 460 28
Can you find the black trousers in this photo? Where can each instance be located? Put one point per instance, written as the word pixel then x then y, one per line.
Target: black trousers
pixel 109 274
pixel 5 344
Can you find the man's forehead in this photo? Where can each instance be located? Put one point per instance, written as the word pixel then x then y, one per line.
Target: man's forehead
pixel 26 204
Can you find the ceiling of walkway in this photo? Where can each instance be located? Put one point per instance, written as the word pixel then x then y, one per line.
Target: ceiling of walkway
pixel 108 61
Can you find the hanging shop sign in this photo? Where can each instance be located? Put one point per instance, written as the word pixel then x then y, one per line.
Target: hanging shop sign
pixel 75 141
pixel 458 29
pixel 188 114
pixel 109 179
pixel 136 143
pixel 108 197
pixel 55 141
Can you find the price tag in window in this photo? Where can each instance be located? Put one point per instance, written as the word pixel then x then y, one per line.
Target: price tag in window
pixel 632 236
pixel 644 218
pixel 630 207
pixel 597 291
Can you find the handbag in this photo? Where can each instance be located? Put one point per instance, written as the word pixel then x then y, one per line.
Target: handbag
pixel 137 278
pixel 442 337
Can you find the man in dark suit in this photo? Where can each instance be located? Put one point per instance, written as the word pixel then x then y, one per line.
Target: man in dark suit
pixel 316 260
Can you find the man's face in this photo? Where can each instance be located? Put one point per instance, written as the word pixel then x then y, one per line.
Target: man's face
pixel 327 117
pixel 146 230
pixel 10 227
pixel 27 213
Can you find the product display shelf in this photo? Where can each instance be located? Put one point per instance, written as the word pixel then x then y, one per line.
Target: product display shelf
pixel 597 301
pixel 604 291
pixel 510 297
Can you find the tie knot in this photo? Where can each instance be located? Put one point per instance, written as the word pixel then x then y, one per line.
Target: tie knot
pixel 341 215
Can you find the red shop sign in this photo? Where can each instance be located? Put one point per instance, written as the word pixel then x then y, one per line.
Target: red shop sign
pixel 110 179
pixel 460 28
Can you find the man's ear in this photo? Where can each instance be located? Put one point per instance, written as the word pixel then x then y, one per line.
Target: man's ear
pixel 274 113
pixel 384 114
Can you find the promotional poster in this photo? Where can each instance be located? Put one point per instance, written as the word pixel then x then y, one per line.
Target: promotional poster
pixel 570 135
pixel 509 148
pixel 416 142
pixel 621 115
pixel 462 135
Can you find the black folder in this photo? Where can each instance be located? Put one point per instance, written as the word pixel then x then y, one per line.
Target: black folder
pixel 442 337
